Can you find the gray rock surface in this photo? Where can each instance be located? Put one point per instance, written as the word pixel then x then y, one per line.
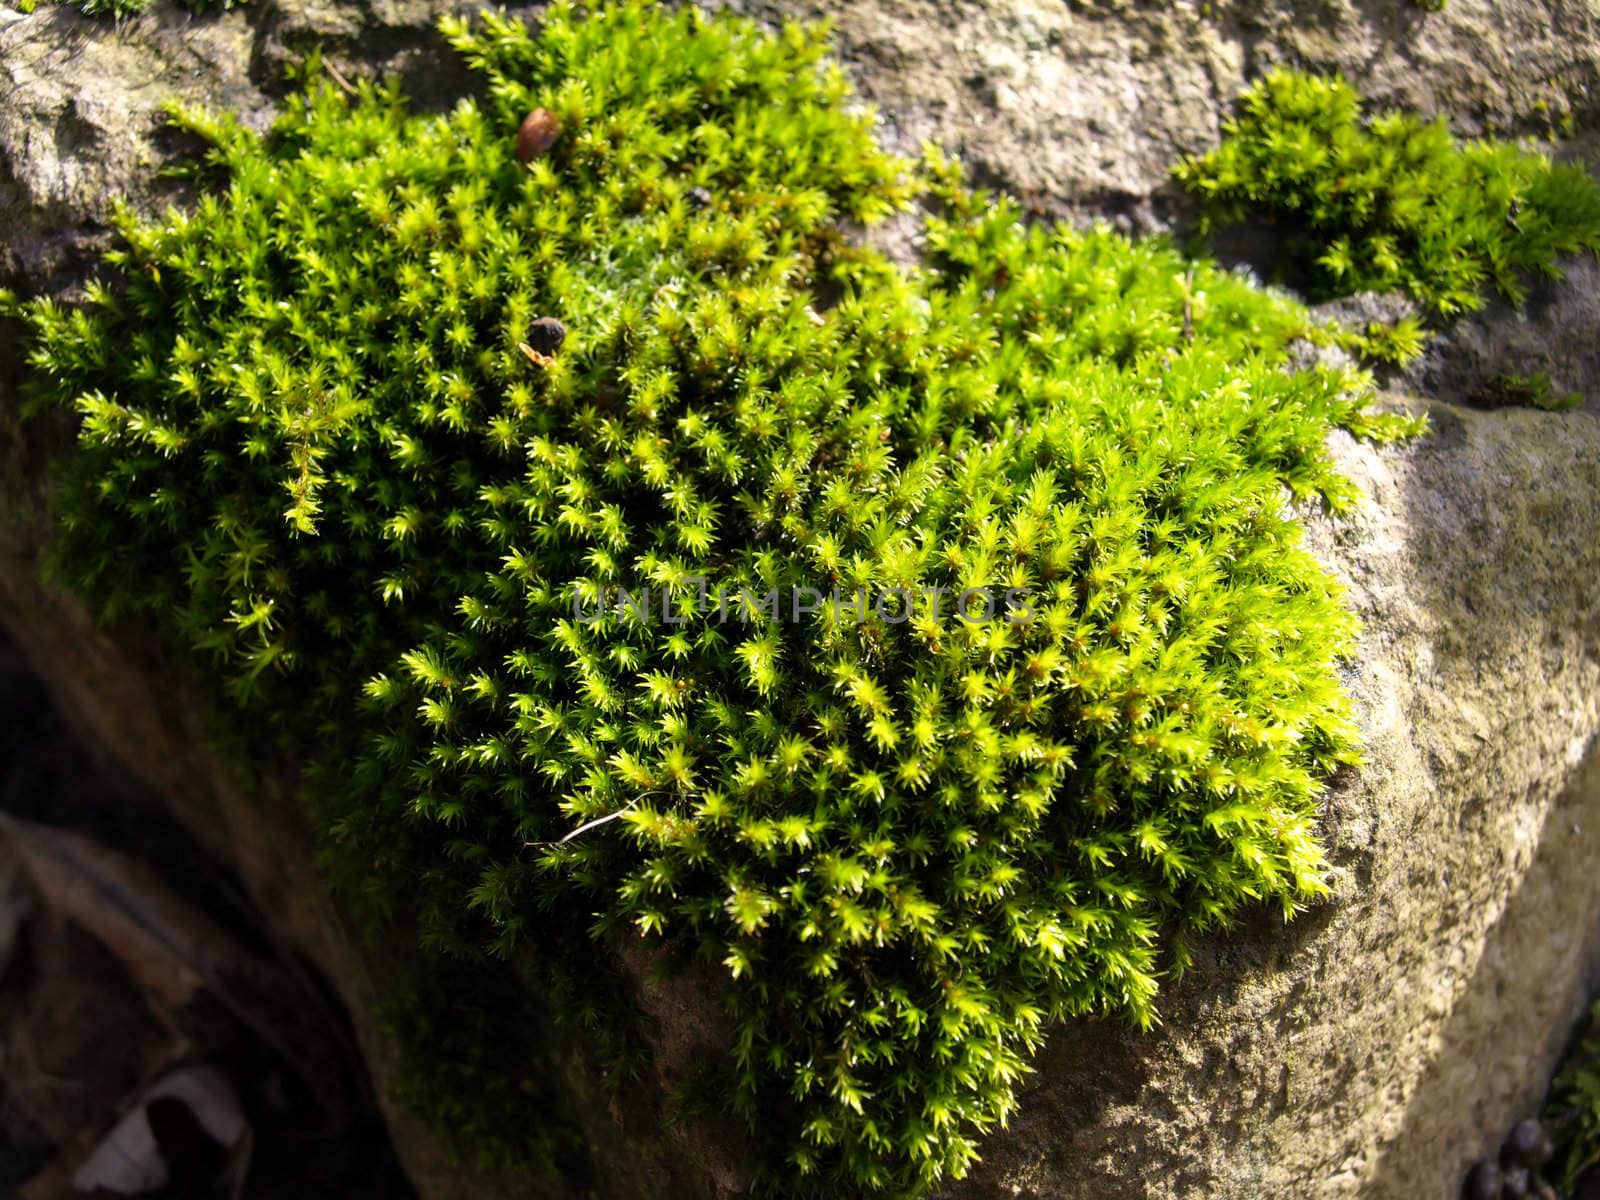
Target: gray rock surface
pixel 1370 1049
pixel 1083 105
pixel 1080 105
pixel 1552 334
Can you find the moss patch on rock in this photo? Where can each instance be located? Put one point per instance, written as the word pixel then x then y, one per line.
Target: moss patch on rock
pixel 1391 202
pixel 933 652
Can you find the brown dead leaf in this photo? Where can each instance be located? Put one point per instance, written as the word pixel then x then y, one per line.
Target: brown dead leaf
pixel 175 952
pixel 123 903
pixel 16 902
pixel 131 1160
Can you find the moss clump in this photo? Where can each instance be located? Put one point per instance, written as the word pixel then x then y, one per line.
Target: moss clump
pixel 1392 202
pixel 909 831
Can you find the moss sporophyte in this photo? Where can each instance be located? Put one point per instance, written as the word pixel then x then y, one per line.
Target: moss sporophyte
pixel 324 448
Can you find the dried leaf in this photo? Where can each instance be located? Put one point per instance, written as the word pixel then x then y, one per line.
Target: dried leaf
pixel 129 1161
pixel 174 951
pixel 122 903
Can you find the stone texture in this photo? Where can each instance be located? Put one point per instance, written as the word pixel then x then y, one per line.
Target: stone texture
pixel 1370 1049
pixel 1083 105
pixel 1553 333
pixel 81 107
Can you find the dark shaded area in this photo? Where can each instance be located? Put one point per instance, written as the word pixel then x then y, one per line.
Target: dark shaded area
pixel 79 1030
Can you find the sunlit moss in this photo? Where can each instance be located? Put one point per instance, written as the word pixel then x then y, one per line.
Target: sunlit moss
pixel 1390 201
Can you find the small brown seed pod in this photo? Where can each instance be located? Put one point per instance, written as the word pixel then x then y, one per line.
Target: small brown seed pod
pixel 546 335
pixel 538 133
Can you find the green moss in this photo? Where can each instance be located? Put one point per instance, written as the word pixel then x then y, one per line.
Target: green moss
pixel 1392 202
pixel 1396 343
pixel 1535 391
pixel 117 10
pixel 1573 1109
pixel 314 451
pixel 485 1082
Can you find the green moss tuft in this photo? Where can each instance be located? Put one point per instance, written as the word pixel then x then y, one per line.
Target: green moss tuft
pixel 315 451
pixel 1392 202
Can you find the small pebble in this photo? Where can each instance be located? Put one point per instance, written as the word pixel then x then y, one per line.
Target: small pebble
pixel 1518 1184
pixel 1529 1145
pixel 1484 1181
pixel 546 335
pixel 538 133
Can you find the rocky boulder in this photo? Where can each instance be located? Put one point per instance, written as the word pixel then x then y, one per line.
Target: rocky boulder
pixel 1372 1048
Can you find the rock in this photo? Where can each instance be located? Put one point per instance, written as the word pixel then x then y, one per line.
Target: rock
pixel 1081 106
pixel 80 120
pixel 1552 333
pixel 1084 105
pixel 1375 1047
pixel 1372 1048
pixel 81 100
